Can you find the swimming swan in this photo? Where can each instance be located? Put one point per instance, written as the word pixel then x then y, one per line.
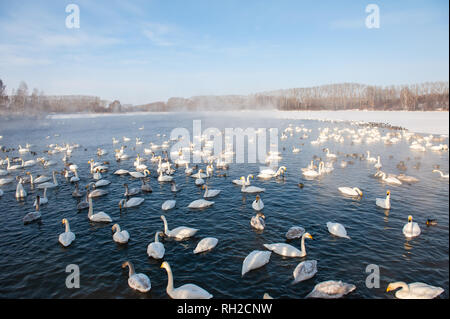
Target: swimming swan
pixel 180 232
pixel 415 290
pixel 337 229
pixel 411 229
pixel 384 202
pixel 355 191
pixel 289 250
pixel 120 236
pixel 100 217
pixel 205 244
pixel 67 237
pixel 139 282
pixel 254 260
pixel 305 270
pixel 200 203
pixel 331 289
pixel 156 249
pixel 258 203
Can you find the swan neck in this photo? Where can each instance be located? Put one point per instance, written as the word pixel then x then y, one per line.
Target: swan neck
pixel 91 209
pixel 131 269
pixel 303 247
pixel 156 237
pixel 67 226
pixel 166 228
pixel 169 279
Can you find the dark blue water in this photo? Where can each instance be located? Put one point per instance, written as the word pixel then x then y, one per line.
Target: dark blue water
pixel 33 263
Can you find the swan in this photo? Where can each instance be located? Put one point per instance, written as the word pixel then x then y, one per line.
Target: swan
pixel 139 174
pixel 289 250
pixel 258 203
pixel 67 237
pixel 407 179
pixel 102 182
pixel 173 187
pixel 243 181
pixel 132 191
pixel 206 244
pixel 75 193
pixel 355 191
pixel 311 173
pixel 199 174
pixel 187 291
pixel 121 172
pixel 3 172
pixel 390 180
pixel 254 260
pixel 146 187
pixel 337 229
pixel 168 204
pixel 411 229
pixel 20 191
pixel 84 204
pixel 12 168
pixel 305 270
pixel 132 202
pixel 29 163
pixel 199 181
pixel 258 221
pixel 180 232
pixel 440 172
pixel 100 217
pixel 378 164
pixel 330 155
pixel 33 216
pixel 164 178
pixel 370 159
pixel 415 290
pixel 210 192
pixel 7 180
pixel 189 170
pixel 42 200
pixel 120 236
pixel 139 282
pixel 251 189
pixel 96 192
pixel 200 203
pixel 97 175
pixel 49 184
pixel 384 202
pixel 39 179
pixel 75 178
pixel 331 289
pixel 267 173
pixel 295 232
pixel 156 249
pixel 267 296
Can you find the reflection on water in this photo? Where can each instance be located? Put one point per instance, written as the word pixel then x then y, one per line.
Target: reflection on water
pixel 33 263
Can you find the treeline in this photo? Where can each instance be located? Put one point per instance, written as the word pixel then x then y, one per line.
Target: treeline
pixel 428 96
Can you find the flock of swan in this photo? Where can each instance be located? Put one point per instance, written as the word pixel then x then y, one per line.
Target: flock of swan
pixel 165 168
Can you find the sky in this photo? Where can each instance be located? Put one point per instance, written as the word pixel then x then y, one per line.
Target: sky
pixel 145 51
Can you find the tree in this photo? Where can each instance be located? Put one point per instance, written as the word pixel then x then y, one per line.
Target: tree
pixel 3 96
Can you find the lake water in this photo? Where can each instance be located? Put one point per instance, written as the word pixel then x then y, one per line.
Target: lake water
pixel 33 263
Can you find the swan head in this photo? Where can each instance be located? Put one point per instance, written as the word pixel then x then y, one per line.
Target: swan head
pixel 121 204
pixel 308 235
pixel 126 264
pixel 64 221
pixel 165 265
pixel 388 193
pixel 258 197
pixel 395 285
pixel 259 214
pixel 410 219
pixel 115 227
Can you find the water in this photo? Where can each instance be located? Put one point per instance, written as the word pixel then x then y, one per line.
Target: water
pixel 33 263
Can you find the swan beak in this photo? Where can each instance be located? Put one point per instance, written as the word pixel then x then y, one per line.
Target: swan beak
pixel 310 237
pixel 388 288
pixel 409 219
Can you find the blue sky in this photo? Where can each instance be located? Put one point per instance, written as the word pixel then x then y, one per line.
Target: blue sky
pixel 143 51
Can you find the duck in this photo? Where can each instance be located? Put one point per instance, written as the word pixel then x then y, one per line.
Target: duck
pixel 168 204
pixel 139 282
pixel 258 203
pixel 206 244
pixel 156 249
pixel 354 192
pixel 100 217
pixel 254 260
pixel 67 237
pixel 200 203
pixel 21 193
pixel 180 232
pixel 287 250
pixel 258 221
pixel 384 202
pixel 415 290
pixel 411 229
pixel 33 216
pixel 187 291
pixel 120 236
pixel 304 271
pixel 337 230
pixel 209 193
pixel 331 289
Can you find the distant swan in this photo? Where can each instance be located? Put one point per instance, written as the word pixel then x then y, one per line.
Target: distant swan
pixel 411 229
pixel 100 217
pixel 384 202
pixel 156 249
pixel 440 172
pixel 67 237
pixel 180 232
pixel 355 191
pixel 120 236
pixel 200 203
pixel 139 282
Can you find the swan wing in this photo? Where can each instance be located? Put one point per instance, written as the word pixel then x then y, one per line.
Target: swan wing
pixel 305 270
pixel 140 282
pixel 206 244
pixel 156 250
pixel 190 291
pixel 284 249
pixel 331 289
pixel 255 259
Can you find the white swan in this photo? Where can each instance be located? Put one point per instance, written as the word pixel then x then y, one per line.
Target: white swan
pixel 6 180
pixel 311 173
pixel 168 204
pixel 164 178
pixel 209 193
pixel 120 236
pixel 258 222
pixel 355 191
pixel 407 179
pixel 331 289
pixel 75 178
pixel 131 192
pixel 67 237
pixel 42 200
pixel 411 229
pixel 252 189
pixel 243 181
pixel 254 260
pixel 305 270
pixel 384 202
pixel 139 174
pixel 121 172
pixel 187 291
pixel 390 180
pixel 100 217
pixel 370 159
pixel 200 203
pixel 337 229
pixel 289 250
pixel 13 167
pixel 102 182
pixel 156 249
pixel 132 202
pixel 49 184
pixel 440 172
pixel 415 290
pixel 206 244
pixel 139 282
pixel 180 232
pixel 378 165
pixel 20 191
pixel 258 203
